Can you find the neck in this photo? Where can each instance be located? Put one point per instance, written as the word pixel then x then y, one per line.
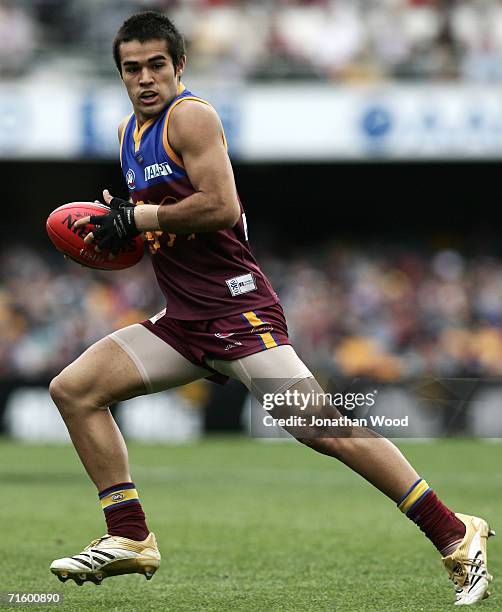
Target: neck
pixel 140 121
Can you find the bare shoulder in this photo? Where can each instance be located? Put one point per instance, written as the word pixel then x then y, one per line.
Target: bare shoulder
pixel 122 126
pixel 193 121
pixel 195 111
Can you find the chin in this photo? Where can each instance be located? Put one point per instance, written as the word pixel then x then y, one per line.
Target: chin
pixel 151 111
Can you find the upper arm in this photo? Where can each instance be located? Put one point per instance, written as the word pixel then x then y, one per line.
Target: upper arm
pixel 121 132
pixel 122 127
pixel 196 135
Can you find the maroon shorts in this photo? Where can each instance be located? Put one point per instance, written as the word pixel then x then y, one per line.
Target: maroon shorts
pixel 228 338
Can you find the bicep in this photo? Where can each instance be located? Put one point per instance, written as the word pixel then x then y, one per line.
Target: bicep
pixel 197 135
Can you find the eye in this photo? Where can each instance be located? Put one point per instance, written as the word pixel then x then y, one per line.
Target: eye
pixel 158 66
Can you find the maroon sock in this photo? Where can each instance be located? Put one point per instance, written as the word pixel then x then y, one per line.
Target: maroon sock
pixel 123 512
pixel 438 522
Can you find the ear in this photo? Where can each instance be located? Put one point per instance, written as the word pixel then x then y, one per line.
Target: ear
pixel 181 66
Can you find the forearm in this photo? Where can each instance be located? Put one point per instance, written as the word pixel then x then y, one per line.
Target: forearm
pixel 195 214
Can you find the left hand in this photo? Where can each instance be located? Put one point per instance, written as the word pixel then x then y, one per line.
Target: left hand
pixel 115 228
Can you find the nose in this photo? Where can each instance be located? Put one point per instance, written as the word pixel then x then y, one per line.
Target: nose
pixel 146 76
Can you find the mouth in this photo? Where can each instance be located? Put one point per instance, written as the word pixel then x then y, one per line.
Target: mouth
pixel 149 97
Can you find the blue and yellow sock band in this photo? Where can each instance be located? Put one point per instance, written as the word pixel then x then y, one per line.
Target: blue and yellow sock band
pixel 118 495
pixel 413 496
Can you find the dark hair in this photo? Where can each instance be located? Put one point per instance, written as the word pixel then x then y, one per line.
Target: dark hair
pixel 150 25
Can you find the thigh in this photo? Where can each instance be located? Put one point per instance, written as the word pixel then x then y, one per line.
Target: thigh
pixel 307 412
pixel 270 371
pixel 158 363
pixel 102 375
pixel 129 362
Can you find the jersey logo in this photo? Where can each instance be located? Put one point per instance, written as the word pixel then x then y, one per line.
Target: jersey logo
pixel 224 335
pixel 262 329
pixel 241 284
pixel 232 345
pixel 131 179
pixel 158 316
pixel 156 170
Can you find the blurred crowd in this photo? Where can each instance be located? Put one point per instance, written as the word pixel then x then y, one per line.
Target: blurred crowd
pixel 269 39
pixel 52 309
pixel 390 315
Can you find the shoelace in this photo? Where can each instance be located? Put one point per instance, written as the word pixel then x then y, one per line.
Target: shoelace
pixel 95 542
pixel 473 567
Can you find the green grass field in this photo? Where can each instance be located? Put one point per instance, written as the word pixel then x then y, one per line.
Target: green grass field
pixel 246 525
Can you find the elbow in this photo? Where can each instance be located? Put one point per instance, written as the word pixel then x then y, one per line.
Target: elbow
pixel 233 217
pixel 230 215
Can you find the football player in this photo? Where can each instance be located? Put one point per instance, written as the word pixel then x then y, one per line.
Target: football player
pixel 222 319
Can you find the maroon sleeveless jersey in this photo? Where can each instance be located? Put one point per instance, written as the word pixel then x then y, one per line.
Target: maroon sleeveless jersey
pixel 203 275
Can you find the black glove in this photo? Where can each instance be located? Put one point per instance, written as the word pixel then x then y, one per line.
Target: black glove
pixel 116 227
pixel 118 203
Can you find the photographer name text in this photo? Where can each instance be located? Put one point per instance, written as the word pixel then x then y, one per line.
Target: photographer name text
pixel 342 421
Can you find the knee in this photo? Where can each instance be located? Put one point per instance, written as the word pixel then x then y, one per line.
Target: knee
pixel 60 391
pixel 70 398
pixel 57 390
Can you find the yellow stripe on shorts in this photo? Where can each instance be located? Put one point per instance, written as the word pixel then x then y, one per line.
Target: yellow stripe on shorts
pixel 255 321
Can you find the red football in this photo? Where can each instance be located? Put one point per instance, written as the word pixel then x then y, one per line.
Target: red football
pixel 70 240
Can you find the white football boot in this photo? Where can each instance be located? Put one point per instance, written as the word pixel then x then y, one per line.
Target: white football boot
pixel 466 566
pixel 109 556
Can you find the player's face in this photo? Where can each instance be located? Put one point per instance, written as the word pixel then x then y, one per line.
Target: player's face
pixel 150 78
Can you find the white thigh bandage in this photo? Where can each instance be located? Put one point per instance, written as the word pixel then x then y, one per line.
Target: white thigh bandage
pixel 272 371
pixel 160 366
